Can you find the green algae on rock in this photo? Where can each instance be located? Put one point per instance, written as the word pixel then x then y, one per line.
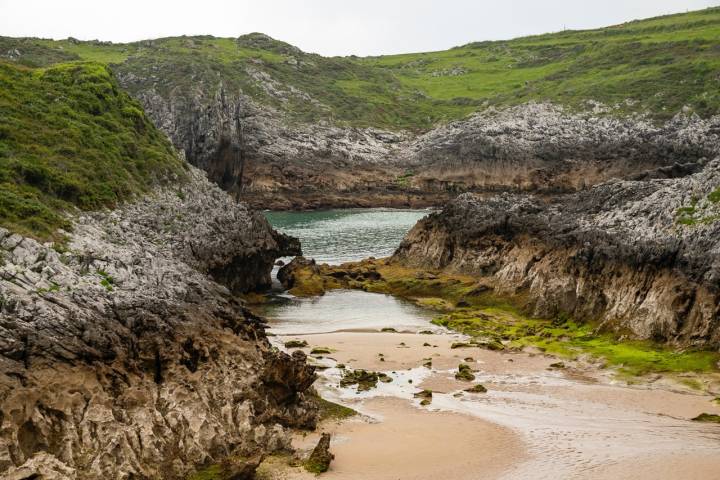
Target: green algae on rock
pixel 334 411
pixel 320 351
pixel 500 322
pixel 423 394
pixel 320 458
pixel 707 417
pixel 365 380
pixel 476 389
pixel 464 373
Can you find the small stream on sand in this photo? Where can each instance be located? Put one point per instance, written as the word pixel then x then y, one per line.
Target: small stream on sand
pixel 535 422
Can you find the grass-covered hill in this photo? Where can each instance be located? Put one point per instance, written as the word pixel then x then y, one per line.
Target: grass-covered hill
pixel 70 137
pixel 656 66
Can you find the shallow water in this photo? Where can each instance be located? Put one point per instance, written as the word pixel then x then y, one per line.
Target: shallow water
pixel 337 236
pixel 343 310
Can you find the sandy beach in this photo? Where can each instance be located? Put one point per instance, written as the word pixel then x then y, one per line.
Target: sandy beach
pixel 534 422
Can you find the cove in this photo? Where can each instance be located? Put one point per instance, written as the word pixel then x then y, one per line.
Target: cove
pixel 334 237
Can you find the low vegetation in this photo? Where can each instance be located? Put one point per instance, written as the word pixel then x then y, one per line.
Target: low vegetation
pixel 501 323
pixel 71 138
pixel 701 211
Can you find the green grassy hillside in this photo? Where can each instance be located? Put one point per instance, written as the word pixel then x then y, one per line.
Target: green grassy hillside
pixel 656 66
pixel 70 137
pixel 659 65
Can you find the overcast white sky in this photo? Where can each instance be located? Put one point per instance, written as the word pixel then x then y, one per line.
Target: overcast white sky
pixel 329 27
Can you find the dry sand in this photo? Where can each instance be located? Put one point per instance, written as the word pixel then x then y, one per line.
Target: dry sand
pixel 409 443
pixel 535 422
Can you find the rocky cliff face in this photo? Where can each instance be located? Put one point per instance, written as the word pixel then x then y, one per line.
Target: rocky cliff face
pixel 251 149
pixel 544 148
pixel 639 257
pixel 122 357
pixel 270 122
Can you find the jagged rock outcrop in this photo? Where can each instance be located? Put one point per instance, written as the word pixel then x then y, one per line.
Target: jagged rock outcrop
pixel 283 165
pixel 121 357
pixel 640 257
pixel 543 147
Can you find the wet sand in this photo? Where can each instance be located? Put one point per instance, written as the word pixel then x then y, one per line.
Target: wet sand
pixel 406 442
pixel 535 422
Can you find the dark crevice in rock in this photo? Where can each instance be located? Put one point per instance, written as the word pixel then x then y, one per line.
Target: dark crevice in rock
pixel 158 368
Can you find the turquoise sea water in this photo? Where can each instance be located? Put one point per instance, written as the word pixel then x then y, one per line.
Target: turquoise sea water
pixel 337 236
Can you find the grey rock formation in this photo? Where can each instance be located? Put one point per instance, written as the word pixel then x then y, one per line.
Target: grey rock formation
pixel 122 358
pixel 542 147
pixel 284 165
pixel 639 256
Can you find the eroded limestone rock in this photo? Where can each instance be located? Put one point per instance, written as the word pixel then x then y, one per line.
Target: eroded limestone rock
pixel 122 357
pixel 640 256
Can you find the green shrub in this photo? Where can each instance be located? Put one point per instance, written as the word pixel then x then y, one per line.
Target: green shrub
pixel 70 137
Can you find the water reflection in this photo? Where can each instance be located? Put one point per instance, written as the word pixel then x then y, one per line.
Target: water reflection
pixel 343 310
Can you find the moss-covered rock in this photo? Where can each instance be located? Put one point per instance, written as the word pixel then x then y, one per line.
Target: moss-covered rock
pixel 334 411
pixel 476 389
pixel 464 373
pixel 707 417
pixel 384 378
pixel 320 458
pixel 499 323
pixel 364 379
pixel 424 394
pixel 320 351
pixel 296 344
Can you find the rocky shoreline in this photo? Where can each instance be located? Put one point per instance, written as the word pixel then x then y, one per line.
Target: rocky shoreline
pixel 126 354
pixel 638 257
